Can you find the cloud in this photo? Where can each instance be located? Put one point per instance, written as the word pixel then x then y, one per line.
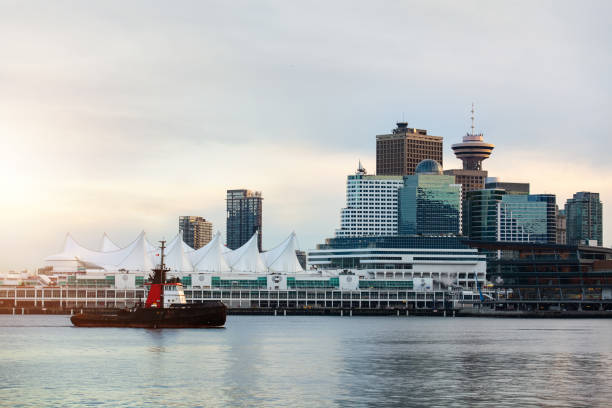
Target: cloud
pixel 122 116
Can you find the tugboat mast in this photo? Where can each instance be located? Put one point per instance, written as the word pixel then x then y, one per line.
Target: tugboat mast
pixel 160 274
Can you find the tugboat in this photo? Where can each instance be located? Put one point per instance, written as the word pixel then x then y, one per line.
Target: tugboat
pixel 165 307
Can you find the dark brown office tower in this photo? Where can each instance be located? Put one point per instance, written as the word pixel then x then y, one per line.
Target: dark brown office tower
pixel 244 216
pixel 399 153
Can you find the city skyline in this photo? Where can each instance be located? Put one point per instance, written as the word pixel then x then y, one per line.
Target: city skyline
pixel 131 133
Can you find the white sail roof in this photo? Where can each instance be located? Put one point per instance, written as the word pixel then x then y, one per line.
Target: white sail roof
pixel 73 251
pixel 177 259
pixel 174 241
pixel 210 257
pixel 283 258
pixel 108 245
pixel 246 258
pixel 139 258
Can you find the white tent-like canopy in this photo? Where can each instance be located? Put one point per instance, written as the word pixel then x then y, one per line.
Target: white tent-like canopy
pixel 246 258
pixel 177 259
pixel 74 255
pixel 283 258
pixel 141 256
pixel 108 245
pixel 210 257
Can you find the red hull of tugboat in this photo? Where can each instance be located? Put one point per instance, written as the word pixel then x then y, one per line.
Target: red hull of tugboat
pixel 194 315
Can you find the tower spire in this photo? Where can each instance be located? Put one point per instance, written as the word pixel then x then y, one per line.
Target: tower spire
pixel 472 118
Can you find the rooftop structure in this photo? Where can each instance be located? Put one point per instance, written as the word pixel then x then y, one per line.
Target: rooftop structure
pixel 473 150
pixel 508 187
pixel 400 152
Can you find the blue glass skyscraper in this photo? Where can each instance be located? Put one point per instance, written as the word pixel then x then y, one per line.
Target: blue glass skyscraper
pixel 429 203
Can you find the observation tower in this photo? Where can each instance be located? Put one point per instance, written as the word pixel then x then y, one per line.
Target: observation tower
pixel 473 150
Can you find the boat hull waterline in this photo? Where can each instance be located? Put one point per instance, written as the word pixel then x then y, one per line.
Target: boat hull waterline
pixel 208 315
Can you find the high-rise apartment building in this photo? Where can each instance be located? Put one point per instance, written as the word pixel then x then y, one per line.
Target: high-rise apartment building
pixel 429 202
pixel 244 217
pixel 371 205
pixel 398 153
pixel 196 231
pixel 584 218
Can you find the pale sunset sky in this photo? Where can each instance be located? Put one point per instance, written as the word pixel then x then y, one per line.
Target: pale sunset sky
pixel 120 116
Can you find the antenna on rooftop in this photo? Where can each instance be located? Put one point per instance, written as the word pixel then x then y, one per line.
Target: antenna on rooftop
pixel 472 117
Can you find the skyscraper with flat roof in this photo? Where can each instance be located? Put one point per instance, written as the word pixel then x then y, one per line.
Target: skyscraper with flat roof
pixel 371 205
pixel 429 202
pixel 196 231
pixel 495 215
pixel 398 153
pixel 584 218
pixel 244 217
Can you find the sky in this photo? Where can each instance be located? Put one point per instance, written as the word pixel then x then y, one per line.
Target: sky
pixel 119 116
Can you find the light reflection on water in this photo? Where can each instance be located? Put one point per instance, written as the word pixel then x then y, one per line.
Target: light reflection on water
pixel 309 361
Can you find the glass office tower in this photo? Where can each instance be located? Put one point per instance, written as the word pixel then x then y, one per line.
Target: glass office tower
pixel 494 215
pixel 429 202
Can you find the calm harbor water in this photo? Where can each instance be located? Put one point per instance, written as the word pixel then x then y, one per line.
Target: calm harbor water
pixel 309 361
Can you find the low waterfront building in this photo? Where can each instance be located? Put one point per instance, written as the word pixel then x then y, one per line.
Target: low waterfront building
pixel 548 276
pixel 445 262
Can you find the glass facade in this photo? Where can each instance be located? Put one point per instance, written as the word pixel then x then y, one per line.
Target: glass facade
pixel 493 215
pixel 584 218
pixel 244 217
pixel 429 204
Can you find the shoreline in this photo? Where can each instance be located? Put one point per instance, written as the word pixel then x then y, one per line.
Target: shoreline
pixel 515 314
